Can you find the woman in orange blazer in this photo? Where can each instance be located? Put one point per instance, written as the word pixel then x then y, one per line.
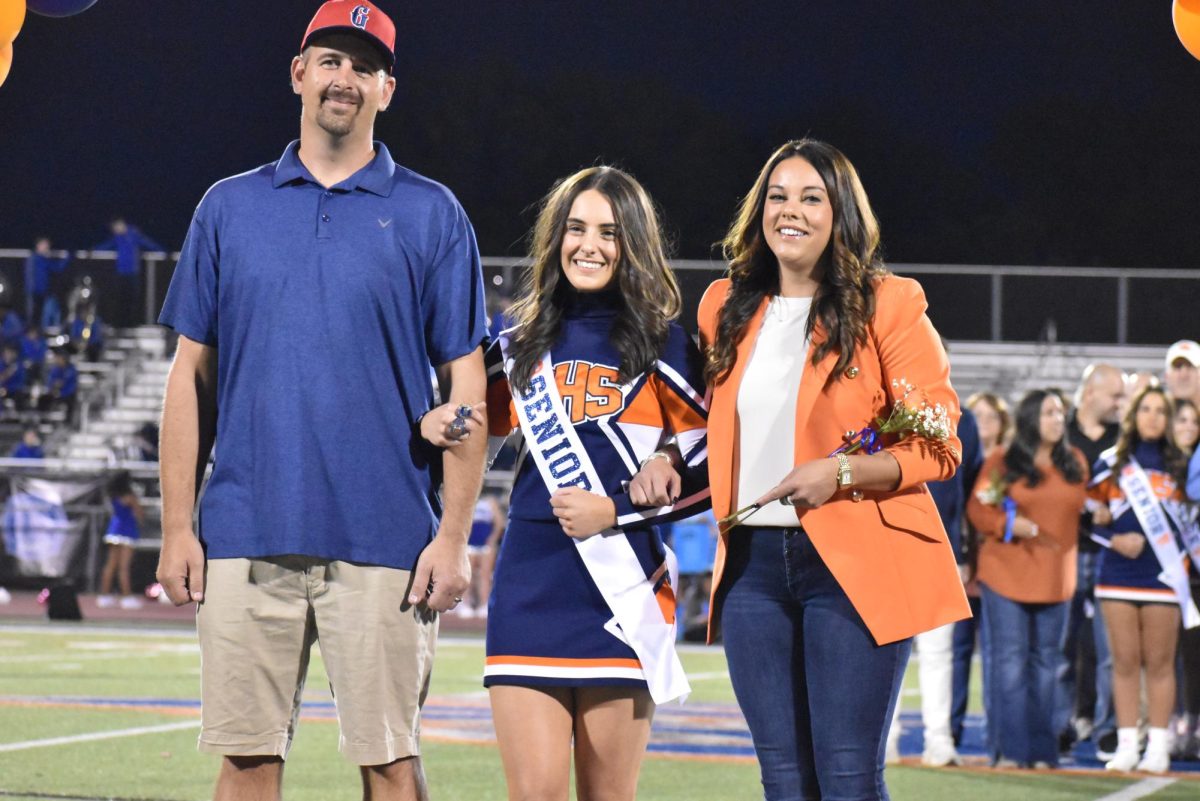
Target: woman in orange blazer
pixel 809 340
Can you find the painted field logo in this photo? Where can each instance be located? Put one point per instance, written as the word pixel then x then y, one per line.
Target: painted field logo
pixel 359 16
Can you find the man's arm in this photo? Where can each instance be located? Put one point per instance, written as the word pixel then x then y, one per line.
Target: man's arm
pixel 443 571
pixel 188 429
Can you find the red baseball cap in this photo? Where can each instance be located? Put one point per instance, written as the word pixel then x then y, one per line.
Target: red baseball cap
pixel 357 17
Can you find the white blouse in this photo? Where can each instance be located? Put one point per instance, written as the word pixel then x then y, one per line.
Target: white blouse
pixel 766 408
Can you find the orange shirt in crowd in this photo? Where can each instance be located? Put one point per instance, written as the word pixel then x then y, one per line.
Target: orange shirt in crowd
pixel 1037 570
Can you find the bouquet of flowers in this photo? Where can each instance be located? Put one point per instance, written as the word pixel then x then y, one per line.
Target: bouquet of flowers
pixel 930 422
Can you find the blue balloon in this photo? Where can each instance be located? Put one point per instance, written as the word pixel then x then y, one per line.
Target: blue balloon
pixel 58 8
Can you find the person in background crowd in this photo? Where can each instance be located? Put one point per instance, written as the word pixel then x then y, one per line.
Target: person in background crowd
pixel 993 422
pixel 30 446
pixel 86 331
pixel 124 528
pixel 935 649
pixel 1084 699
pixel 129 243
pixel 40 269
pixel 33 352
pixel 1187 724
pixel 1134 384
pixel 62 384
pixel 487 526
pixel 992 418
pixel 13 384
pixel 1181 374
pixel 51 318
pixel 1026 506
pixel 1187 425
pixel 1141 611
pixel 11 326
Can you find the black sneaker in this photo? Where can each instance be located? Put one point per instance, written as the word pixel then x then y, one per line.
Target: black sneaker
pixel 1106 746
pixel 1066 741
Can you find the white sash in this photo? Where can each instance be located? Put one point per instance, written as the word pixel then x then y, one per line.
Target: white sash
pixel 1184 518
pixel 1153 517
pixel 610 560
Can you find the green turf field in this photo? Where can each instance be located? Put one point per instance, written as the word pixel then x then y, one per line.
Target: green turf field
pixel 132 693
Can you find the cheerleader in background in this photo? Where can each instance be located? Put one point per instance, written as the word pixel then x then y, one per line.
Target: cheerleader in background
pixel 124 528
pixel 1141 612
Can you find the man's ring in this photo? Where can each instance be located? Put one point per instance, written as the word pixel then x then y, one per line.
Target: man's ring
pixel 786 500
pixel 463 411
pixel 458 428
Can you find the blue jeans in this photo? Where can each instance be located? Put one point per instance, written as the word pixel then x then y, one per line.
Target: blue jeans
pixel 1105 716
pixel 964 649
pixel 816 690
pixel 1077 672
pixel 1021 654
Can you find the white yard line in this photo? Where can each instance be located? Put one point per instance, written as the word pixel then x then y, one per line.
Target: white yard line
pixel 1138 790
pixel 98 735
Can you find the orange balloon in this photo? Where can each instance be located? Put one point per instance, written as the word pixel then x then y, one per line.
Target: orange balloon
pixel 1186 14
pixel 6 53
pixel 12 17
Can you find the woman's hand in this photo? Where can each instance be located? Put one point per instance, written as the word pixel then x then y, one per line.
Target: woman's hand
pixel 808 486
pixel 1128 545
pixel 656 484
pixel 581 513
pixel 446 426
pixel 1023 528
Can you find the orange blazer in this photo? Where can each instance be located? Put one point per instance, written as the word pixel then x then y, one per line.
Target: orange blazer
pixel 889 552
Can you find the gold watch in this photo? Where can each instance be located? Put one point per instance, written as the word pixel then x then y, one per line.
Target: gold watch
pixel 845 475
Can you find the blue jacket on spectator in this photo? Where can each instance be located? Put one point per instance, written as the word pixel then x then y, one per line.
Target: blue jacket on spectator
pixel 950 495
pixel 63 380
pixel 129 246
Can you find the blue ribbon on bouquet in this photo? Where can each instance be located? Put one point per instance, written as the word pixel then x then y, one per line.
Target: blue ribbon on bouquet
pixel 1010 517
pixel 867 440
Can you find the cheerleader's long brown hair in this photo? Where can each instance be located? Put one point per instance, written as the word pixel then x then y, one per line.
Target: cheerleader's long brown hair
pixel 845 300
pixel 649 295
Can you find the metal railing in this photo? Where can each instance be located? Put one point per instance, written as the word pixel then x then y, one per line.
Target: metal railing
pixel 967 301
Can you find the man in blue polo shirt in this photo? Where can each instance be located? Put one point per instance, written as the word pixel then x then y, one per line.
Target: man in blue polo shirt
pixel 312 297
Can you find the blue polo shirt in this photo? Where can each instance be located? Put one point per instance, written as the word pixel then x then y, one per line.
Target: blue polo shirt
pixel 327 308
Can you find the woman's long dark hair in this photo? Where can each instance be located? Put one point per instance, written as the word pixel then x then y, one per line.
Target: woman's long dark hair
pixel 845 300
pixel 649 295
pixel 1129 439
pixel 1027 438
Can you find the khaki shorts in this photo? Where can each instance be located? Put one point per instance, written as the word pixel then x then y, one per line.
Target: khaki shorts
pixel 257 624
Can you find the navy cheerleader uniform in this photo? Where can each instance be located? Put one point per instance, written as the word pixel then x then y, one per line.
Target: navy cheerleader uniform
pixel 548 623
pixel 122 526
pixel 1119 577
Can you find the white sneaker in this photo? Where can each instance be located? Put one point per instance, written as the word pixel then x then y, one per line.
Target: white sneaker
pixel 105 601
pixel 940 753
pixel 1122 761
pixel 481 611
pixel 131 602
pixel 465 611
pixel 5 596
pixel 1155 761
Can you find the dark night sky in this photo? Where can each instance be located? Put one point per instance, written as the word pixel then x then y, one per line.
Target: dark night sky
pixel 1015 132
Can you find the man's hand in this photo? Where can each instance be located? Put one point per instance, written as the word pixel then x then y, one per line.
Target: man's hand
pixel 808 485
pixel 445 426
pixel 442 574
pixel 581 513
pixel 181 568
pixel 656 484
